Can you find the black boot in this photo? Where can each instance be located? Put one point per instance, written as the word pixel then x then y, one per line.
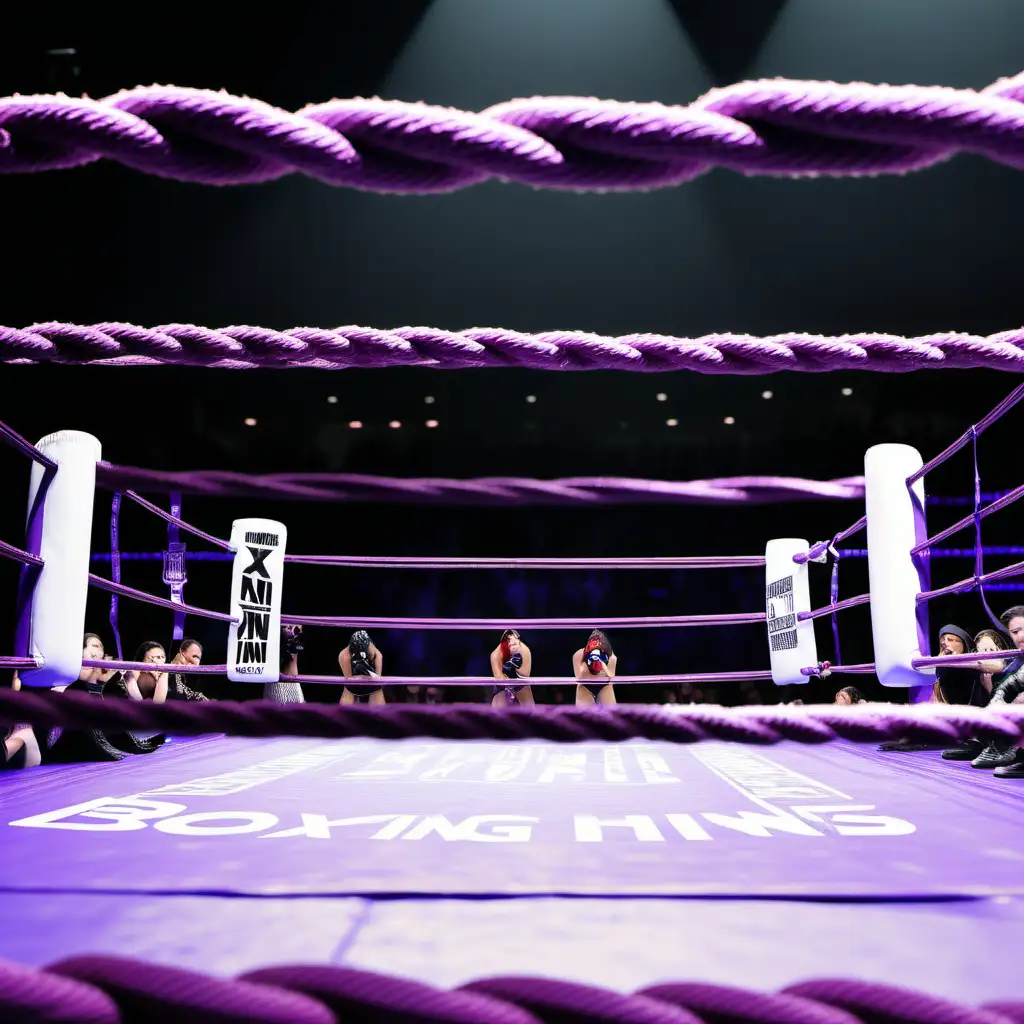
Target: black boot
pixel 967 751
pixel 1012 771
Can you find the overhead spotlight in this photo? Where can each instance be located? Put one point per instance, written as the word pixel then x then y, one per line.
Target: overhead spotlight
pixel 672 422
pixel 429 399
pixel 847 392
pixel 729 420
pixel 332 399
pixel 395 424
pixel 767 394
pixel 661 396
pixel 355 424
pixel 431 424
pixel 531 399
pixel 249 421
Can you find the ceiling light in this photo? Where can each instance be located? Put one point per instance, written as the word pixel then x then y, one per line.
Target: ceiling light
pixel 729 421
pixel 249 421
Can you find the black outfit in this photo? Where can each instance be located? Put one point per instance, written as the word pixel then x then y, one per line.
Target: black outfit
pixel 961 686
pixel 178 690
pixel 510 670
pixel 362 665
pixel 1008 684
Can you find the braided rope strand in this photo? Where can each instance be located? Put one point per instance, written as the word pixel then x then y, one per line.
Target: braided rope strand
pixel 482 491
pixel 242 347
pixel 103 989
pixel 771 127
pixel 690 723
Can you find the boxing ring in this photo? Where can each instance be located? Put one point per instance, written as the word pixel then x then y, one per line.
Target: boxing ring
pixel 537 862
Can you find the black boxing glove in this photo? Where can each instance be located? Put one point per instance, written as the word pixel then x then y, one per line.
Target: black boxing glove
pixel 291 642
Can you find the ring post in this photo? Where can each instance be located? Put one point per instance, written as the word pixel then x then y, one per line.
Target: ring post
pixel 59 529
pixel 254 638
pixel 791 643
pixel 896 524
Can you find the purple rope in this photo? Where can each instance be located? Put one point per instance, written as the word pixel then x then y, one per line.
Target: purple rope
pixel 16 441
pixel 353 487
pixel 176 521
pixel 7 662
pixel 1017 569
pixel 854 670
pixel 545 142
pixel 401 562
pixel 633 622
pixel 834 606
pixel 1002 502
pixel 970 660
pixel 815 551
pixel 689 677
pixel 27 558
pixel 684 723
pixel 104 989
pixel 247 347
pixel 160 602
pixel 970 434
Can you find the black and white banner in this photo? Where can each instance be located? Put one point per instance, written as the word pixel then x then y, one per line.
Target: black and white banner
pixel 254 639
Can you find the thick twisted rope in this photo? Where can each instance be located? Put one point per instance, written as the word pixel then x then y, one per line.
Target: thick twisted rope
pixel 243 347
pixel 777 127
pixel 354 487
pixel 674 723
pixel 110 989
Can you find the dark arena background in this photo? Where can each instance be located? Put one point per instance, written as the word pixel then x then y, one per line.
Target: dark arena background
pixel 929 252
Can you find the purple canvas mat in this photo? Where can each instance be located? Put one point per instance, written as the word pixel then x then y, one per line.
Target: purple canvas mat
pixel 436 818
pixel 620 943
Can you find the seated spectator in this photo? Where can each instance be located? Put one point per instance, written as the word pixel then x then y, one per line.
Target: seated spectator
pixel 958 684
pixel 148 685
pixel 190 652
pixel 849 695
pixel 988 641
pixel 1007 687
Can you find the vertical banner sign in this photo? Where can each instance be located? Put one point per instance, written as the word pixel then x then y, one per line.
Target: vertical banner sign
pixel 791 645
pixel 254 639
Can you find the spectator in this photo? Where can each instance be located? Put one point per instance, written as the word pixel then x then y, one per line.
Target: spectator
pixel 1007 687
pixel 190 652
pixel 988 641
pixel 148 685
pixel 957 684
pixel 850 695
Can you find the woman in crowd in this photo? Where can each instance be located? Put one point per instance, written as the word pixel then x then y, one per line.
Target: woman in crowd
pixel 362 658
pixel 594 668
pixel 511 659
pixel 995 755
pixel 850 695
pixel 146 685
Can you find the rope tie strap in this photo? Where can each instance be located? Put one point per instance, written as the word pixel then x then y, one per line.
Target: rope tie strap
pixel 110 989
pixel 691 723
pixel 777 127
pixel 244 347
